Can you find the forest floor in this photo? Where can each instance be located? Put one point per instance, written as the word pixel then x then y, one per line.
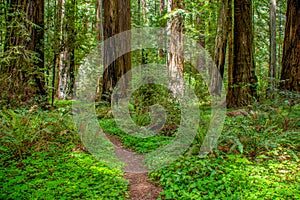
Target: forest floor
pixel 140 187
pixel 258 157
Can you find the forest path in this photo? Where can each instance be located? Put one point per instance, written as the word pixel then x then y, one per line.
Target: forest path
pixel 140 187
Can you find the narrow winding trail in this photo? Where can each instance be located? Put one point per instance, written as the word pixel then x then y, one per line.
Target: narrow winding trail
pixel 140 187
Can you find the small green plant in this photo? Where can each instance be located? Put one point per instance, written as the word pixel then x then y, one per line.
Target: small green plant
pixel 23 131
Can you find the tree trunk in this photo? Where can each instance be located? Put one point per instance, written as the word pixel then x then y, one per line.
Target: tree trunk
pixel 24 47
pixel 175 61
pixel 220 49
pixel 71 43
pixel 230 50
pixel 99 28
pixel 63 55
pixel 161 10
pixel 117 18
pixel 272 69
pixel 290 74
pixel 244 81
pixel 99 20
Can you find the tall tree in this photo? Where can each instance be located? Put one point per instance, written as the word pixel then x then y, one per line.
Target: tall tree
pixel 66 64
pixel 244 82
pixel 290 74
pixel 117 19
pixel 272 70
pixel 161 10
pixel 230 47
pixel 64 54
pixel 220 48
pixel 71 30
pixel 175 61
pixel 24 51
pixel 99 22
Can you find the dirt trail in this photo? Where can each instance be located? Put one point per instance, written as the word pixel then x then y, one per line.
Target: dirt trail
pixel 140 188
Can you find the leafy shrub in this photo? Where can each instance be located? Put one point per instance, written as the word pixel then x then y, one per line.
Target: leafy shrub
pixel 152 94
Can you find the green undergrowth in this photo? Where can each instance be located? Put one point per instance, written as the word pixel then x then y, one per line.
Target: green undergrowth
pixel 257 157
pixel 229 177
pixel 70 175
pixel 151 143
pixel 42 158
pixel 263 128
pixel 139 145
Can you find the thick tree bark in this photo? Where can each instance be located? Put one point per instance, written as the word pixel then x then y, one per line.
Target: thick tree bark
pixel 27 82
pixel 290 74
pixel 175 61
pixel 117 19
pixel 220 49
pixel 244 81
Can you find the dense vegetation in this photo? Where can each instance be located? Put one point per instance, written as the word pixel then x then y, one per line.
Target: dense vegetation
pixel 42 158
pixel 254 45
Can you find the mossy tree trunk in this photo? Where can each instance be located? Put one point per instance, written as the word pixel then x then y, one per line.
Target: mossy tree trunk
pixel 24 53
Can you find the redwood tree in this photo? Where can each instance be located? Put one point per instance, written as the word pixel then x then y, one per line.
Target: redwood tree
pixel 290 75
pixel 220 48
pixel 244 81
pixel 117 19
pixel 175 61
pixel 24 52
pixel 272 69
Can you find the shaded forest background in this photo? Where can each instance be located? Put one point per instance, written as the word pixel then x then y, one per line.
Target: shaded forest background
pixel 255 45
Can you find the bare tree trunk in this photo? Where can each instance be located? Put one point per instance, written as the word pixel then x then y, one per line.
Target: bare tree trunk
pixel 117 18
pixel 230 50
pixel 244 81
pixel 99 20
pixel 220 49
pixel 99 28
pixel 290 74
pixel 272 69
pixel 175 61
pixel 72 45
pixel 63 56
